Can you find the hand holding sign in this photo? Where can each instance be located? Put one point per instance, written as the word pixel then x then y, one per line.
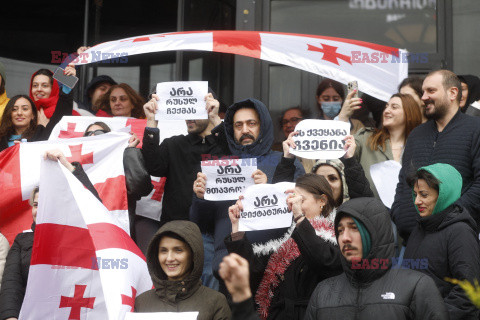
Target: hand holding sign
pixel 234 213
pixel 264 207
pixel 320 139
pixel 182 100
pixel 294 203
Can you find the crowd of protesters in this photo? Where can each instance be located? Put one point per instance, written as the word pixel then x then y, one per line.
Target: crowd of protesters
pixel 346 254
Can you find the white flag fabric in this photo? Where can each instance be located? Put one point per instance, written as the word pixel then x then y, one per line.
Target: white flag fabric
pixel 84 265
pixel 340 59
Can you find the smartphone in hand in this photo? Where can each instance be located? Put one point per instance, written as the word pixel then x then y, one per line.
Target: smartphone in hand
pixel 353 85
pixel 60 76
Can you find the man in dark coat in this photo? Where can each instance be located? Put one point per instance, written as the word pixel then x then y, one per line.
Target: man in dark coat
pixel 449 137
pixel 370 288
pixel 247 132
pixel 95 89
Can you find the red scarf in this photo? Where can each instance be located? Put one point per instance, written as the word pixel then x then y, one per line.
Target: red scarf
pixel 280 261
pixel 47 104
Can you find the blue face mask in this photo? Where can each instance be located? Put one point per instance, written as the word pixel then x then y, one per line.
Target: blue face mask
pixel 331 109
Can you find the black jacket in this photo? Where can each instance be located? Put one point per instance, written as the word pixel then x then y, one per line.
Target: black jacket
pixel 64 108
pixel 375 293
pixel 318 260
pixel 449 242
pixel 15 274
pixel 458 145
pixel 357 182
pixel 178 159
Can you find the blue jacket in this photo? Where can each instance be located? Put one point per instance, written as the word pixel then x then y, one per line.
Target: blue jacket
pixel 212 216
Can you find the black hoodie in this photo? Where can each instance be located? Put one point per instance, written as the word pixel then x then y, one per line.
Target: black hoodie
pixel 380 292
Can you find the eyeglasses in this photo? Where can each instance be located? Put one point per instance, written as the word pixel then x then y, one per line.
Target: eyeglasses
pixel 94 133
pixel 293 120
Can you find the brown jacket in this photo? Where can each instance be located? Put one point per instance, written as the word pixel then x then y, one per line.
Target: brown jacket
pixel 188 294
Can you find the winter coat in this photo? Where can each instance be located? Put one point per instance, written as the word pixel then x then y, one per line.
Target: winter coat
pixel 15 276
pixel 91 86
pixel 178 159
pixel 319 259
pixel 212 216
pixel 380 292
pixel 367 157
pixel 458 145
pixel 447 243
pixel 41 133
pixel 244 310
pixel 4 247
pixel 188 294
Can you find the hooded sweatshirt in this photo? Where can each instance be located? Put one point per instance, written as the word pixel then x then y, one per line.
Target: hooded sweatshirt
pixel 447 244
pixel 373 290
pixel 217 221
pixel 184 295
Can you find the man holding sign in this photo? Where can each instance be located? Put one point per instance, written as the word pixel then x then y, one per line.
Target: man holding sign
pixel 247 132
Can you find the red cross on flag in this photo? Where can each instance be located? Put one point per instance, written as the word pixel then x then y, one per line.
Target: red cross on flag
pixel 378 69
pixel 149 206
pixel 84 265
pixel 102 159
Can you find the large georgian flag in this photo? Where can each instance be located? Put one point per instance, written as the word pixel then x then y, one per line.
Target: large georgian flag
pixel 84 265
pixel 378 69
pixel 70 127
pixel 100 156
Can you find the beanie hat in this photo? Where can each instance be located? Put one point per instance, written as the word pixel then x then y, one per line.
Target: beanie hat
pixel 366 240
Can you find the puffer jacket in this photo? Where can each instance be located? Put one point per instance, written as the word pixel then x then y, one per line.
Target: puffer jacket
pixel 375 293
pixel 185 295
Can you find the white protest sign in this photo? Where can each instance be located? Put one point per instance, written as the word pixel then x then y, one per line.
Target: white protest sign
pixel 162 316
pixel 182 100
pixel 265 207
pixel 227 178
pixel 385 177
pixel 320 139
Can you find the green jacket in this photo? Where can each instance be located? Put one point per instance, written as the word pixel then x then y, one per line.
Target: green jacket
pixel 367 157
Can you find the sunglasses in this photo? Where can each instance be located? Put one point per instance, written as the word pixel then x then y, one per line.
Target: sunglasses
pixel 94 133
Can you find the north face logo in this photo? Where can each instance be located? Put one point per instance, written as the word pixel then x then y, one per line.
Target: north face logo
pixel 388 296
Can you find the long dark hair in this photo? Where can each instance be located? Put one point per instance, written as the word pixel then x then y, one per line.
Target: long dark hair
pixel 324 85
pixel 317 185
pixel 7 127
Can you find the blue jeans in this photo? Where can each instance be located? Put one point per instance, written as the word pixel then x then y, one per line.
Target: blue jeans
pixel 208 279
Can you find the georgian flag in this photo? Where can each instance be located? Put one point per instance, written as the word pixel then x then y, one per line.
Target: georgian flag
pixel 70 127
pixel 20 173
pixel 84 265
pixel 340 59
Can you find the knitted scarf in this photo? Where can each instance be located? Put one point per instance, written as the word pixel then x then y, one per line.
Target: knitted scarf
pixel 281 259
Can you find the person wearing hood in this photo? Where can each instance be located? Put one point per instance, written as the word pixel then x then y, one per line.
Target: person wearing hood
pixel 15 276
pixel 247 132
pixel 94 91
pixel 175 263
pixel 370 288
pixel 470 100
pixel 3 93
pixel 445 236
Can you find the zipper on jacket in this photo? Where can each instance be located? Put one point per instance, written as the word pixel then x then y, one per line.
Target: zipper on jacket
pixel 357 314
pixel 203 141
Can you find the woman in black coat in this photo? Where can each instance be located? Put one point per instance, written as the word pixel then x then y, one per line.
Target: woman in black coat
pixel 15 276
pixel 284 279
pixel 445 242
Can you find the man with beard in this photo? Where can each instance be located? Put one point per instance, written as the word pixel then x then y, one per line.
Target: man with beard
pixel 178 158
pixel 370 288
pixel 448 137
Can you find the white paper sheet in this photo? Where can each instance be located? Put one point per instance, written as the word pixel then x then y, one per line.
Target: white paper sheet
pixel 385 177
pixel 182 100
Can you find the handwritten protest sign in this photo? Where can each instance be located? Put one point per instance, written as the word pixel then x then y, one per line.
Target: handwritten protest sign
pixel 265 207
pixel 320 139
pixel 386 187
pixel 162 315
pixel 227 178
pixel 182 100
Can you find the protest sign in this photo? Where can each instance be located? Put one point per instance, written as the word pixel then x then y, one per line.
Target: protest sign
pixel 162 316
pixel 227 178
pixel 320 139
pixel 182 100
pixel 385 177
pixel 265 207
